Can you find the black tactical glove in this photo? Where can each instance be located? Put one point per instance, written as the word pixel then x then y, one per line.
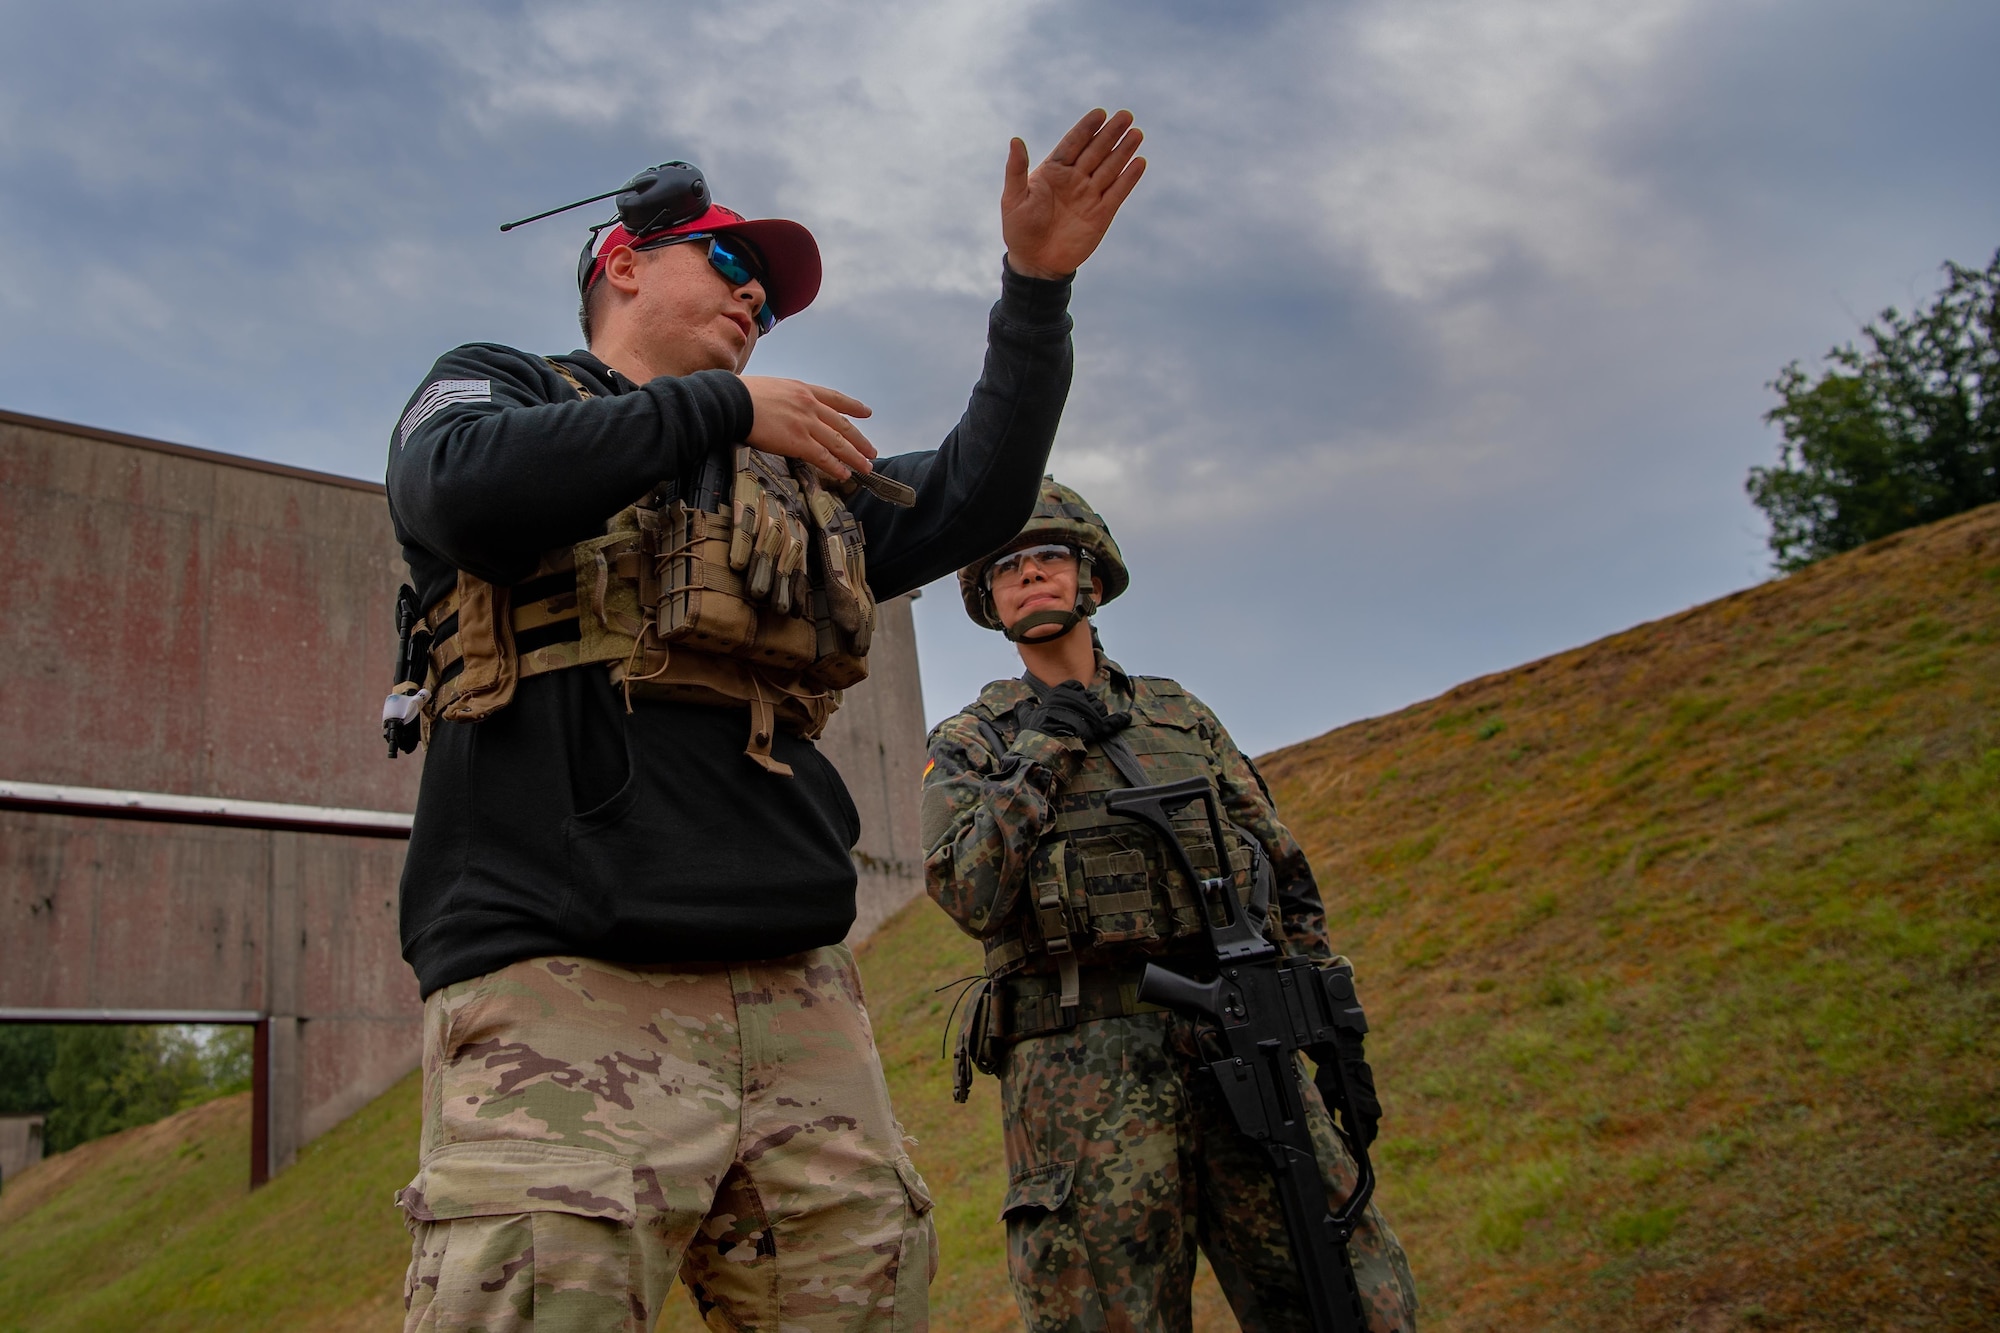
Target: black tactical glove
pixel 1071 710
pixel 1360 1085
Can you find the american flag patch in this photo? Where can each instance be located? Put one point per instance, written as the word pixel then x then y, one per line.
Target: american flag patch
pixel 438 396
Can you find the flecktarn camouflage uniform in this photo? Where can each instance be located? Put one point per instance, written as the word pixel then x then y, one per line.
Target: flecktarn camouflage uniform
pixel 592 1129
pixel 1121 1156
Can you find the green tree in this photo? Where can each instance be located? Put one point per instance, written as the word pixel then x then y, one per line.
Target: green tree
pixel 226 1059
pixel 92 1080
pixel 1902 432
pixel 110 1078
pixel 101 1079
pixel 27 1053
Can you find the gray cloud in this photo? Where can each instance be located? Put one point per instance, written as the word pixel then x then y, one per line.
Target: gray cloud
pixel 1435 339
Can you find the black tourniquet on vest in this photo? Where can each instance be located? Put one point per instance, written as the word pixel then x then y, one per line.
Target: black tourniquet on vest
pixel 563 824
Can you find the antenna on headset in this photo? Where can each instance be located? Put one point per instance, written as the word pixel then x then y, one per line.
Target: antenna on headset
pixel 509 226
pixel 662 196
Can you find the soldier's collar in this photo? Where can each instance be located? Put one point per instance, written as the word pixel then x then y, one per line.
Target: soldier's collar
pixel 1114 673
pixel 1106 668
pixel 1111 673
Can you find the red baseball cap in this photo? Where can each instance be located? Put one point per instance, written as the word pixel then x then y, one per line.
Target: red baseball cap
pixel 790 255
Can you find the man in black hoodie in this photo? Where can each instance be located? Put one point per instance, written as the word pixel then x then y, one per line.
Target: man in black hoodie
pixel 646 1051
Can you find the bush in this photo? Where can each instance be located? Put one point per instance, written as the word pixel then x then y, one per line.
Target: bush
pixel 1903 433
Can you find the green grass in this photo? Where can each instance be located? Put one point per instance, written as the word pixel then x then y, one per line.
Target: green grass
pixel 1687 1018
pixel 155 1228
pixel 1685 984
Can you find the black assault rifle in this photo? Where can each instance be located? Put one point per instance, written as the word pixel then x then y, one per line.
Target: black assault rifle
pixel 1267 1007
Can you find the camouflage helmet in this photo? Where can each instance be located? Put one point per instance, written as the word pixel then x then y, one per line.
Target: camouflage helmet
pixel 1060 515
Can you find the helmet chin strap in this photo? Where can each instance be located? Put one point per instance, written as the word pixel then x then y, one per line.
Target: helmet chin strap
pixel 1034 620
pixel 1086 605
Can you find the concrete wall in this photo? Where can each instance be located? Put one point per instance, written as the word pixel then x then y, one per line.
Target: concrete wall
pixel 876 740
pixel 188 623
pixel 160 612
pixel 20 1145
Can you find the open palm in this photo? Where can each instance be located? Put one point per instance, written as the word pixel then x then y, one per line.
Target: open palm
pixel 1053 217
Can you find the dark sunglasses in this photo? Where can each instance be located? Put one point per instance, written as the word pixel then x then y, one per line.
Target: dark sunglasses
pixel 734 260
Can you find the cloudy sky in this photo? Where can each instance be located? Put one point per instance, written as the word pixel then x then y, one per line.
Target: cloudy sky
pixel 1435 340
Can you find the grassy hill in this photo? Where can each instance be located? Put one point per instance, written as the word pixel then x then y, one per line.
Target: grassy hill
pixel 1686 951
pixel 1683 950
pixel 154 1228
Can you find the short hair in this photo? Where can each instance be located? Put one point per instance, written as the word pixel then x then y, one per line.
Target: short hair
pixel 592 306
pixel 586 310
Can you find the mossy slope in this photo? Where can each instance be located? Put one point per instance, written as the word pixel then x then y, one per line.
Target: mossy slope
pixel 155 1228
pixel 1683 950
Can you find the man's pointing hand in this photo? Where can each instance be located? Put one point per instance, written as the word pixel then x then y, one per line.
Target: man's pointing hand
pixel 1053 217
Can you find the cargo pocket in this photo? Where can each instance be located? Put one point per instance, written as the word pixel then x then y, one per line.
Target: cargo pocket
pixel 1043 1187
pixel 550 1230
pixel 918 1254
pixel 1042 1238
pixel 499 1177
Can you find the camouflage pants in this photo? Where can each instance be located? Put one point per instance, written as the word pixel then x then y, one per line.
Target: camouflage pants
pixel 1121 1158
pixel 591 1130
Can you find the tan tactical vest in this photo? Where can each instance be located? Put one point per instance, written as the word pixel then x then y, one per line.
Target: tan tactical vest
pixel 1101 890
pixel 660 603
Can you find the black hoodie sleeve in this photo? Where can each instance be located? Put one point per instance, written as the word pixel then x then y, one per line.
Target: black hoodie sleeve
pixel 497 460
pixel 977 489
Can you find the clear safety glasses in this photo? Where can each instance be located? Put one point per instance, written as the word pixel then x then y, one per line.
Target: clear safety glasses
pixel 1049 559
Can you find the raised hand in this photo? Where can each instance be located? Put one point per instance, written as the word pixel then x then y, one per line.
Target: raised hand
pixel 1053 217
pixel 810 423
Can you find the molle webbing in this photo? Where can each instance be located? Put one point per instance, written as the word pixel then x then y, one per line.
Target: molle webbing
pixel 1099 888
pixel 546 623
pixel 663 602
pixel 1031 1006
pixel 655 601
pixel 1098 899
